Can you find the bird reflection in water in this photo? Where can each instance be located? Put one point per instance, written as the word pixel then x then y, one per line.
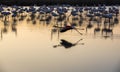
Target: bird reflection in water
pixel 14 29
pixel 1 35
pixel 66 44
pixel 53 31
pixel 7 24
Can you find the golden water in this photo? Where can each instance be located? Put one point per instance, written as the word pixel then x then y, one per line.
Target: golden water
pixel 31 49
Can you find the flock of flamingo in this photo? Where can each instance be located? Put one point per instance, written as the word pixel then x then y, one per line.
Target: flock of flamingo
pixel 64 17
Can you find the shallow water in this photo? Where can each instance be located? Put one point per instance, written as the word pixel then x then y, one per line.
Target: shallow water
pixel 34 48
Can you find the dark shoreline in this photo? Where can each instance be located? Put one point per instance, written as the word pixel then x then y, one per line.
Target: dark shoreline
pixel 59 2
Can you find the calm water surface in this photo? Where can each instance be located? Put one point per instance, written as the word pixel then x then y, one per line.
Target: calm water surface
pixel 35 48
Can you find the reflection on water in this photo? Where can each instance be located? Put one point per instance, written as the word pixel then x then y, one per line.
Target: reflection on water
pixel 74 40
pixel 67 44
